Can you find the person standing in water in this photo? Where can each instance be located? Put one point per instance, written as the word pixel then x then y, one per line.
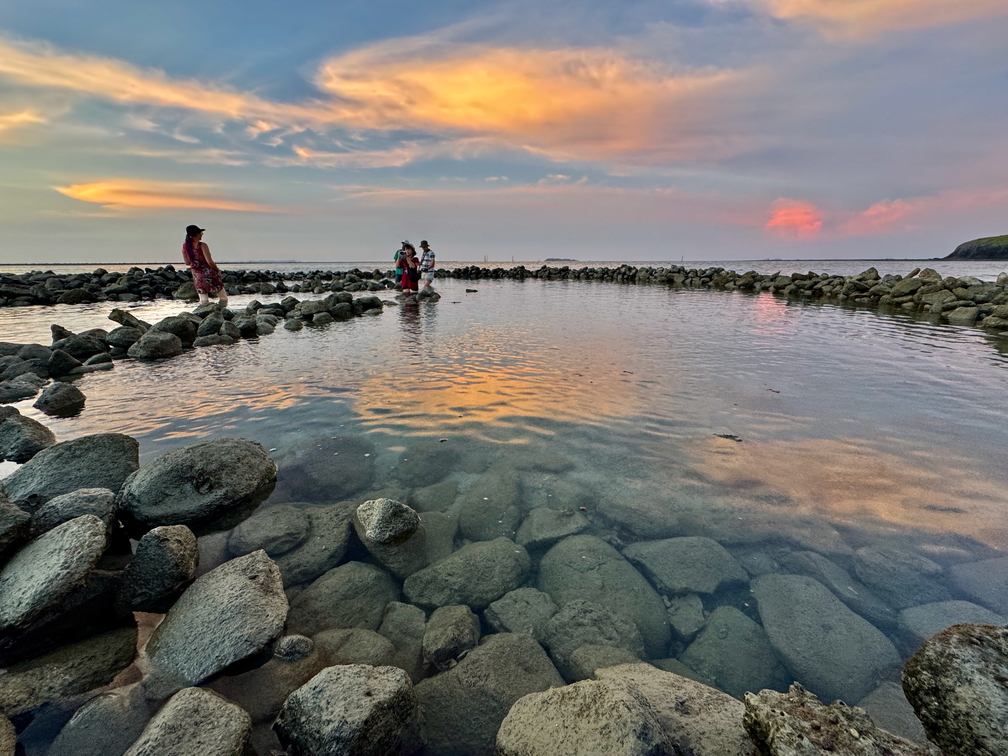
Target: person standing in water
pixel 427 265
pixel 206 275
pixel 398 257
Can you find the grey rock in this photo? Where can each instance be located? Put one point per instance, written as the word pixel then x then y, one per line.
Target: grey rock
pixel 475 575
pixel 439 535
pixel 293 324
pixel 230 330
pixel 127 319
pixel 99 502
pixel 195 722
pixel 233 612
pixel 899 577
pixel 404 626
pixel 351 595
pixel 676 667
pixel 523 610
pixel 60 363
pixel 585 660
pixel 921 622
pixel 106 725
pixel 352 710
pixel 276 530
pixel 956 685
pixel 103 358
pixel 355 645
pixel 155 345
pixel 163 565
pixel 214 340
pixel 60 400
pixel 262 691
pixel 124 337
pixel 451 632
pixel 544 526
pixel 963 315
pixel 426 463
pixel 186 291
pixel 385 521
pixel 852 592
pixel 889 709
pixel 179 325
pixel 103 460
pixel 83 345
pixel 211 325
pixel 196 484
pixel 15 528
pixel 21 438
pixel 34 352
pixel 734 653
pixel 435 498
pixel 322 319
pixel 17 389
pixel 462 709
pixel 293 648
pixel 986 582
pixel 325 469
pixel 489 508
pixel 585 567
pixel 580 623
pixel 828 648
pixel 324 548
pixel 686 565
pixel 796 723
pixel 8 737
pixel 686 616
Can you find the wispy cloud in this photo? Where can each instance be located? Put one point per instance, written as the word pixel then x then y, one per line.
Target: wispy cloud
pixel 861 18
pixel 356 159
pixel 121 194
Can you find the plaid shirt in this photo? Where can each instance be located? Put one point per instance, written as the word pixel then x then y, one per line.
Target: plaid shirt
pixel 427 260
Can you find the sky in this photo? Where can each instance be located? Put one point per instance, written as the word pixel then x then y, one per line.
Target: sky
pixel 623 130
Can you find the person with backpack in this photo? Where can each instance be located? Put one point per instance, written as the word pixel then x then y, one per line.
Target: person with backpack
pixel 398 257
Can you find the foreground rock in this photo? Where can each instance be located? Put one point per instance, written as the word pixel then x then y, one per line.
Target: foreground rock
pixel 104 460
pixel 229 614
pixel 475 575
pixel 156 345
pixel 15 528
pixel 99 502
pixel 21 438
pixel 163 565
pixel 195 722
pixel 196 484
pixel 792 723
pixel 956 685
pixel 8 737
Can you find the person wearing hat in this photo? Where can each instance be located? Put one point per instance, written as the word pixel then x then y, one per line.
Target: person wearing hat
pixel 206 275
pixel 427 265
pixel 398 257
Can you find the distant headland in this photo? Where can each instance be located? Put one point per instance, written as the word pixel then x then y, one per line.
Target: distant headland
pixel 987 248
pixel 560 259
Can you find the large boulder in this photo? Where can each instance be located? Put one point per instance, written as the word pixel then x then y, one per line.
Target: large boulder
pixel 195 722
pixel 956 685
pixel 325 469
pixel 99 502
pixel 462 709
pixel 475 575
pixel 155 345
pixel 104 460
pixel 686 565
pixel 163 565
pixel 60 400
pixel 351 595
pixel 585 567
pixel 581 623
pixel 832 651
pixel 196 485
pixel 180 325
pixel 855 594
pixel 231 613
pixel 352 710
pixel 21 438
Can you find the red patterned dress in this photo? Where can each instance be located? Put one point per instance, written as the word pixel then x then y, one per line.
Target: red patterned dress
pixel 205 279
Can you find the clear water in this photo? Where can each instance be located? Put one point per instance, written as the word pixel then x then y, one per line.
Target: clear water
pixel 887 429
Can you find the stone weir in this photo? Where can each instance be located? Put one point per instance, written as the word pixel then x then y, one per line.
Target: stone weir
pixel 960 301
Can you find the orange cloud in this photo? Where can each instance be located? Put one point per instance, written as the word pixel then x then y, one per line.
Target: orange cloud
pixel 866 17
pixel 138 193
pixel 795 219
pixel 13 120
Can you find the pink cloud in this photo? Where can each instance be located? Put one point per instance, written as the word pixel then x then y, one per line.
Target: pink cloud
pixel 880 217
pixel 794 219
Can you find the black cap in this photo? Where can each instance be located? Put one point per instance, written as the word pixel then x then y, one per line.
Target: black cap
pixel 424 243
pixel 193 230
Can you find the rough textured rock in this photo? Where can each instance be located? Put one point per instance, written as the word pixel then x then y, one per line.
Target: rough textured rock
pixel 155 345
pixel 921 622
pixel 889 709
pixel 475 575
pixel 686 616
pixel 180 325
pixel 8 737
pixel 394 534
pixel 956 685
pixel 829 649
pixel 852 592
pixel 585 567
pixel 195 722
pixel 734 653
pixel 21 438
pixel 545 525
pixel 124 337
pixel 986 582
pixel 276 530
pixel 489 508
pixel 60 400
pixel 18 389
pixel 797 724
pixel 353 710
pixel 229 614
pixel 104 460
pixel 462 709
pixel 15 528
pixel 686 565
pixel 582 622
pixel 99 502
pixel 523 610
pixel 325 469
pixel 404 626
pixel 163 565
pixel 69 670
pixel 901 578
pixel 585 660
pixel 355 646
pixel 325 546
pixel 196 484
pixel 451 632
pixel 351 595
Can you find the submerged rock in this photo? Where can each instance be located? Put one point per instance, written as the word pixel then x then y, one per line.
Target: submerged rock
pixel 426 463
pixel 451 632
pixel 523 610
pixel 986 582
pixel 921 622
pixel 902 578
pixel 544 526
pixel 581 623
pixel 686 565
pixel 489 508
pixel 404 625
pixel 21 438
pixel 890 710
pixel 852 592
pixel 195 722
pixel 163 565
pixel 475 575
pixel 325 469
pixel 394 534
pixel 351 595
pixel 276 530
pixel 106 725
pixel 686 616
pixel 325 546
pixel 355 645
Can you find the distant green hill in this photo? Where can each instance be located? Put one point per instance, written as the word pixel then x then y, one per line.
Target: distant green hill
pixel 988 248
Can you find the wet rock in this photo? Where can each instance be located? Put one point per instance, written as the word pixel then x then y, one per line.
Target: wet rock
pixel 889 709
pixel 686 616
pixel 921 622
pixel 351 595
pixel 852 592
pixel 69 670
pixel 475 575
pixel 325 546
pixel 900 578
pixel 585 567
pixel 233 612
pixel 451 632
pixel 17 389
pixel 523 610
pixel 462 709
pixel 211 324
pixel 60 363
pixel 986 582
pixel 435 498
pixel 34 352
pixel 489 509
pixel 8 737
pixel 580 623
pixel 60 400
pixel 956 685
pixel 229 330
pixel 792 723
pixel 196 484
pixel 686 565
pixel 439 535
pixel 734 653
pixel 325 469
pixel 163 566
pixel 106 725
pixel 155 345
pixel 124 337
pixel 103 460
pixel 195 722
pixel 99 502
pixel 404 626
pixel 348 710
pixel 15 528
pixel 827 647
pixel 179 325
pixel 21 438
pixel 82 345
pixel 740 528
pixel 544 526
pixel 355 645
pixel 186 291
pixel 585 660
pixel 394 535
pixel 276 530
pixel 127 319
pixel 215 340
pixel 426 462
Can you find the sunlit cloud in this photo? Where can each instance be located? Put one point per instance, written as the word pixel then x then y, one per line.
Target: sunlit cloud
pixel 123 194
pixel 356 159
pixel 867 17
pixel 794 219
pixel 13 120
pixel 895 216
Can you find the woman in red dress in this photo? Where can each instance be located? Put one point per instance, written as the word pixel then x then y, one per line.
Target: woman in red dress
pixel 206 275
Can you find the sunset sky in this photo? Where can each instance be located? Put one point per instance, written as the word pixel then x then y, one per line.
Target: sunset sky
pixel 329 131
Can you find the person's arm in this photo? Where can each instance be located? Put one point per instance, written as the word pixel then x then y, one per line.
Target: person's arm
pixel 206 255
